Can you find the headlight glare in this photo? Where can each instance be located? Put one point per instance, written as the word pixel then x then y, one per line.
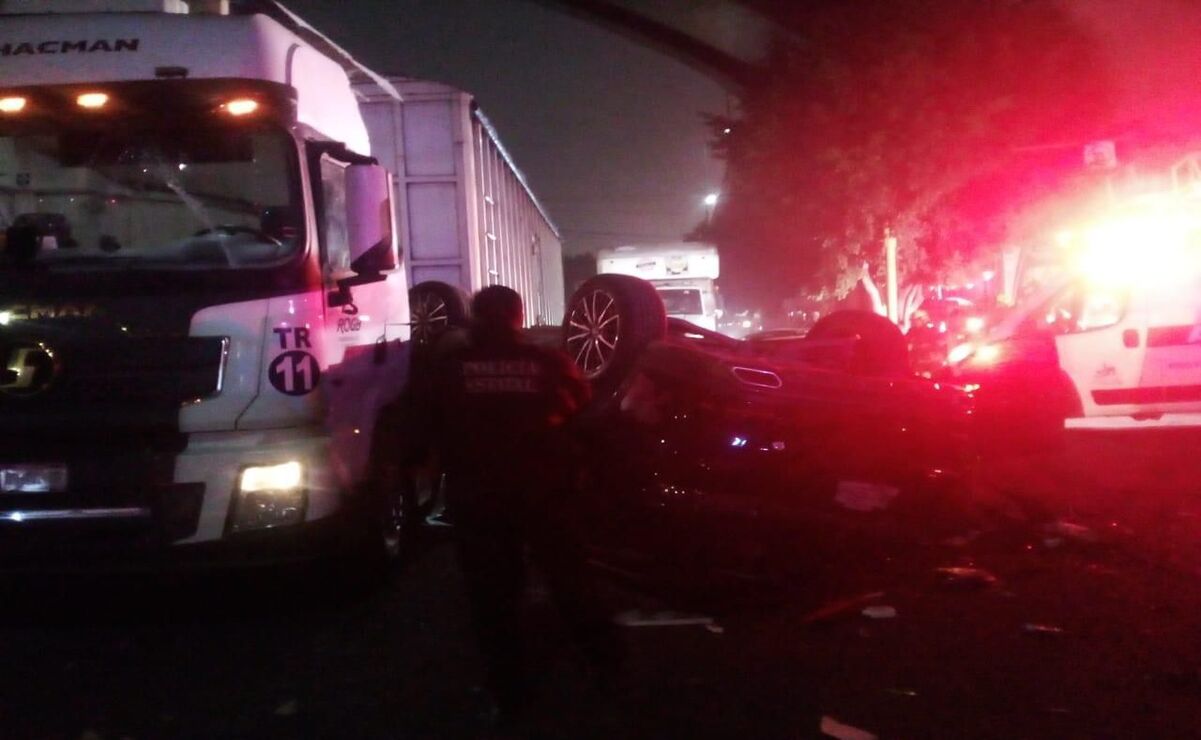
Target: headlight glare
pixel 283 477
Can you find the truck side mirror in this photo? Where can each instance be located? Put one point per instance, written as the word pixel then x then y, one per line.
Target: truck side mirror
pixel 369 223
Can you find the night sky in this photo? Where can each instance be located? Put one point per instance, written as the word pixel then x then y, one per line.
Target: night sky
pixel 609 134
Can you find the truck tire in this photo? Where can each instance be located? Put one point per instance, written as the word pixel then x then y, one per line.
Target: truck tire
pixel 880 349
pixel 610 319
pixel 435 309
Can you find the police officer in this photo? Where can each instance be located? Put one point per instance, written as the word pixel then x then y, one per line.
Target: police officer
pixel 501 410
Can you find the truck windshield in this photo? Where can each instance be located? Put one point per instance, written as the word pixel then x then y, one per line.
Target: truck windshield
pixel 679 302
pixel 178 198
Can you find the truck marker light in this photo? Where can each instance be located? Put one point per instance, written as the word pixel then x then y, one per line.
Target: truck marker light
pixel 92 100
pixel 241 106
pixel 284 477
pixel 12 104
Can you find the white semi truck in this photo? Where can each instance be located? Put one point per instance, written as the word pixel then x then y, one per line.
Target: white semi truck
pixel 684 274
pixel 203 308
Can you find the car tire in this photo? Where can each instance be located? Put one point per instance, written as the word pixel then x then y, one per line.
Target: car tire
pixel 436 308
pixel 609 321
pixel 881 348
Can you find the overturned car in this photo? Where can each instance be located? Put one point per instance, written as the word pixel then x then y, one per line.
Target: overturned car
pixel 707 452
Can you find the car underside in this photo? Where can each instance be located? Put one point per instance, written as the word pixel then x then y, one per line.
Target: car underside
pixel 702 453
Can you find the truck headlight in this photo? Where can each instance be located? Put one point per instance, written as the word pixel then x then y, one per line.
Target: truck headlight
pixel 269 496
pixel 284 477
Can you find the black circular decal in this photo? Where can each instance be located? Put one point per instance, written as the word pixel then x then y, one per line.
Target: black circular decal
pixel 294 373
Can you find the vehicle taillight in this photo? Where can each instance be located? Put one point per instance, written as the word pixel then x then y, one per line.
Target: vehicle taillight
pixel 975 354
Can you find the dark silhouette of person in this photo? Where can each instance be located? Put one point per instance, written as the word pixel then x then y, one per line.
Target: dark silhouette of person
pixel 501 410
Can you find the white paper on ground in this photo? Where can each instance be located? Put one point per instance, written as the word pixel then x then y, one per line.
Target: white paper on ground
pixel 640 618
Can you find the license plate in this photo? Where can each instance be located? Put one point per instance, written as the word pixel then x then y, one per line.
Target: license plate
pixel 32 478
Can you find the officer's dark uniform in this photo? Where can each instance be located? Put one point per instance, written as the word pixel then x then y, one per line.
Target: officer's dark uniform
pixel 500 410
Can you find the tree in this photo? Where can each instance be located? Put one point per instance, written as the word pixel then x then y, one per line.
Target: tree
pixel 910 115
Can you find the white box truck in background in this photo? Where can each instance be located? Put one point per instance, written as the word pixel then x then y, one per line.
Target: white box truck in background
pixel 683 274
pixel 467 216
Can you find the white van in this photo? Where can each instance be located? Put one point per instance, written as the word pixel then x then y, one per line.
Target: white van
pixel 1126 329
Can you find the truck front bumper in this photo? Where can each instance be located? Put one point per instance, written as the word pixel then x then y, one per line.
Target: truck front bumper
pixel 196 520
pixel 79 546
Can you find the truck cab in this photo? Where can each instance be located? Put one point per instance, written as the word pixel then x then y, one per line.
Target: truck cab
pixel 202 307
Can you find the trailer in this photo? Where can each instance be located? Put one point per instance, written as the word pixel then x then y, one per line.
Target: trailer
pixel 467 215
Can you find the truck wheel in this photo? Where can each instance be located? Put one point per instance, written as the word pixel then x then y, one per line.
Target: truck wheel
pixel 436 308
pixel 610 320
pixel 880 349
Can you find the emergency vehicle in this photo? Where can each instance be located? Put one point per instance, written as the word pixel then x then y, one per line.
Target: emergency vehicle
pixel 1115 338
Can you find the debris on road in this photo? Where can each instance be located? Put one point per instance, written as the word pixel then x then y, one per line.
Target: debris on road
pixel 833 728
pixel 840 608
pixel 1048 630
pixel 640 618
pixel 880 611
pixel 1072 531
pixel 965 578
pixel 961 540
pixel 861 496
pixel 287 709
pixel 715 628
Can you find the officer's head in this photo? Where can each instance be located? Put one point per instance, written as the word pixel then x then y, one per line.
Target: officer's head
pixel 497 310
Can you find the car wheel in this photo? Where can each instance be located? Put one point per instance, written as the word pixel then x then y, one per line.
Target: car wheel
pixel 881 347
pixel 610 319
pixel 436 308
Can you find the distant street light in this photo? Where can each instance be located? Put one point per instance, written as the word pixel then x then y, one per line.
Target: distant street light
pixel 710 202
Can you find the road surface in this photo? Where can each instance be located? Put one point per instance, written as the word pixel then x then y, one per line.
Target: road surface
pixel 1091 630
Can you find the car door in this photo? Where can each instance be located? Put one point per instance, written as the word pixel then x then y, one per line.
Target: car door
pixel 1100 346
pixel 1172 368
